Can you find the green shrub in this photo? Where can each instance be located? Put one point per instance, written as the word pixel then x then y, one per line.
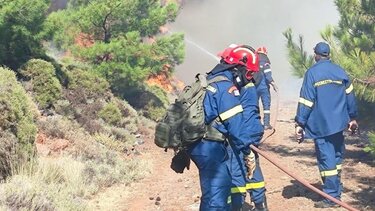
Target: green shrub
pixel 160 94
pixel 110 113
pixel 92 84
pixel 17 127
pixel 371 147
pixel 44 85
pixel 154 112
pixel 111 142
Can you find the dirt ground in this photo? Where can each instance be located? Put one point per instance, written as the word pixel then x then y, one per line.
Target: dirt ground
pixel 165 190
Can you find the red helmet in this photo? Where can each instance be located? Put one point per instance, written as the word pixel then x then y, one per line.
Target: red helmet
pixel 241 54
pixel 262 50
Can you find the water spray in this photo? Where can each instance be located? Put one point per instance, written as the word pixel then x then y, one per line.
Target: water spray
pixel 202 49
pixel 216 58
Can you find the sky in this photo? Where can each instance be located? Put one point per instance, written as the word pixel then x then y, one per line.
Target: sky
pixel 212 25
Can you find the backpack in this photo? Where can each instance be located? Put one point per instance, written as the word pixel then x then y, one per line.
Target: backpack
pixel 183 123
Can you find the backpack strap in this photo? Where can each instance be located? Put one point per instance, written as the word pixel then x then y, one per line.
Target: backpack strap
pixel 217 79
pixel 211 132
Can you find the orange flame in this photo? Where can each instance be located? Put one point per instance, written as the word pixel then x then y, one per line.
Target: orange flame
pixel 167 83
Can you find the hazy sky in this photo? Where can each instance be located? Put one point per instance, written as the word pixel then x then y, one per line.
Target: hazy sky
pixel 214 24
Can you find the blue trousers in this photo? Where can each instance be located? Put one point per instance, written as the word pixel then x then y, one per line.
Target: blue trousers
pixel 240 183
pixel 211 159
pixel 329 151
pixel 265 96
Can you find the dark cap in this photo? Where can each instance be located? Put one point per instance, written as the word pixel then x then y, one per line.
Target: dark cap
pixel 322 48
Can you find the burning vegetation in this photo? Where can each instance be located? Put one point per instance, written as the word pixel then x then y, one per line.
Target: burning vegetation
pixel 166 82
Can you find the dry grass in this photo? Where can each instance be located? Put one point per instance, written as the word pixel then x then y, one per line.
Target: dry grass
pixel 65 183
pixel 90 164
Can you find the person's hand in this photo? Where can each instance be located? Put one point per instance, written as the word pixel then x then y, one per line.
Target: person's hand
pixel 250 164
pixel 275 88
pixel 353 126
pixel 300 134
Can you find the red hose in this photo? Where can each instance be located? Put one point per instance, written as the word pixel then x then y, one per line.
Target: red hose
pixel 303 181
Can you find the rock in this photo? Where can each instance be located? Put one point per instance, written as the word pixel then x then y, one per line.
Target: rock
pixel 139 142
pixel 158 198
pixel 151 198
pixel 157 203
pixel 196 198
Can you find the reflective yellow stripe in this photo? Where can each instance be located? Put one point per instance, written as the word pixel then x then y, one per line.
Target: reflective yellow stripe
pixel 324 82
pixel 231 112
pixel 329 173
pixel 267 111
pixel 339 167
pixel 255 185
pixel 249 85
pixel 268 70
pixel 238 190
pixel 305 102
pixel 349 89
pixel 212 89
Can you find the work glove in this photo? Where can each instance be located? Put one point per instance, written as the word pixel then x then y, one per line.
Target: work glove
pixel 275 88
pixel 180 161
pixel 300 134
pixel 250 164
pixel 353 127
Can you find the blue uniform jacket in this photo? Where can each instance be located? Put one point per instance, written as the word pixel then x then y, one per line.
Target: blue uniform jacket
pixel 222 100
pixel 327 101
pixel 252 124
pixel 265 70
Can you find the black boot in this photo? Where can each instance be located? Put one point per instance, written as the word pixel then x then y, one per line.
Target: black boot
pixel 261 206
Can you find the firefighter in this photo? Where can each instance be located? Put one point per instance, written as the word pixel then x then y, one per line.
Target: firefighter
pixel 222 106
pixel 254 129
pixel 326 108
pixel 263 86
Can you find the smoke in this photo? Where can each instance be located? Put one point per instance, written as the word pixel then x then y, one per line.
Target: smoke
pixel 215 24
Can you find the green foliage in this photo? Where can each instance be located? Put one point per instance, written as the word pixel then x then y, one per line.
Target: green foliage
pixel 109 35
pixel 299 59
pixel 105 19
pixel 371 147
pixel 46 88
pixel 21 30
pixel 16 118
pixel 127 61
pixel 110 113
pixel 90 82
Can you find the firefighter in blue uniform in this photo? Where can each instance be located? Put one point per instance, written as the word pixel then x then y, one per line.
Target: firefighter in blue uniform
pixel 326 108
pixel 263 86
pixel 222 106
pixel 254 129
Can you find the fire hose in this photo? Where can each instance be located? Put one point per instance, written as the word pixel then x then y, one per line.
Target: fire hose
pixel 302 181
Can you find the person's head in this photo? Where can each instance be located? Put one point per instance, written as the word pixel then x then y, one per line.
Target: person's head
pixel 262 50
pixel 322 51
pixel 240 55
pixel 245 61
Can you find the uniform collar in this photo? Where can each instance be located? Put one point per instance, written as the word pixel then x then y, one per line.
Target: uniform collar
pixel 221 69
